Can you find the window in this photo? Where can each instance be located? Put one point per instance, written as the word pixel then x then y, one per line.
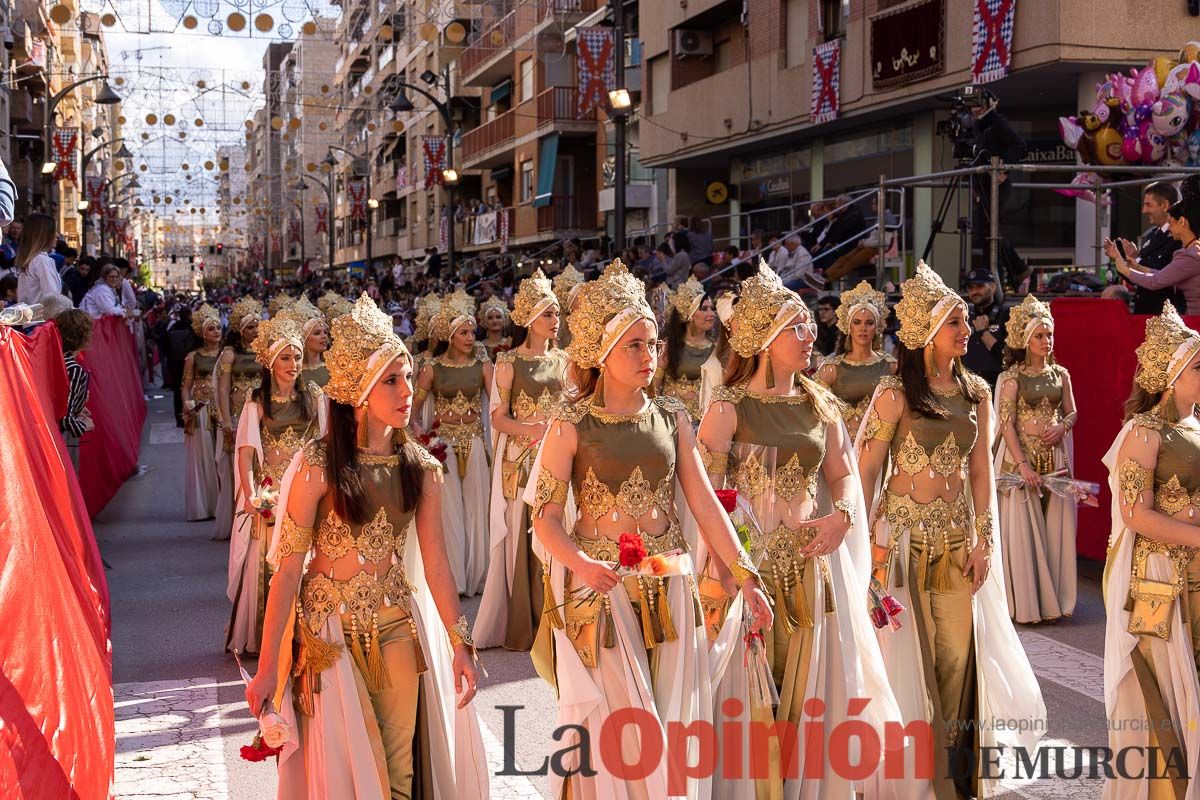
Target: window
pixel 660 84
pixel 835 15
pixel 796 32
pixel 527 80
pixel 527 181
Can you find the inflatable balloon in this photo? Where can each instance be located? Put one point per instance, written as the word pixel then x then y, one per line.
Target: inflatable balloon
pixel 1170 113
pixel 1184 78
pixel 1162 66
pixel 1190 52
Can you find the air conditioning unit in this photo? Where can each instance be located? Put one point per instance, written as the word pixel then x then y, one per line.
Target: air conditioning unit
pixel 693 43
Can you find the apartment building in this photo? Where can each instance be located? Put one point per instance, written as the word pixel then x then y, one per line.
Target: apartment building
pixel 760 143
pixel 232 180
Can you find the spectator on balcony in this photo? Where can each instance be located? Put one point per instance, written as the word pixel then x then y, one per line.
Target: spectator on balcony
pixel 794 265
pixel 818 222
pixel 676 266
pixel 36 273
pixel 846 226
pixel 700 242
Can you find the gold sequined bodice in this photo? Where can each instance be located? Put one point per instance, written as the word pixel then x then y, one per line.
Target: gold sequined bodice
pixel 283 434
pixel 1177 472
pixel 245 376
pixel 626 463
pixel 1039 397
pixel 536 382
pixel 936 446
pixel 855 382
pixel 202 370
pixel 685 384
pixel 318 375
pixel 788 424
pixel 457 390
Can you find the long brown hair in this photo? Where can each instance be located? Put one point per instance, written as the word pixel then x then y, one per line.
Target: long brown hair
pixel 917 391
pixel 37 236
pixel 341 449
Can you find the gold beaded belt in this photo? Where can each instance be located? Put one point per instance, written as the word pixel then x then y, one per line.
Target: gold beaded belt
pixel 461 435
pixel 926 524
pixel 787 569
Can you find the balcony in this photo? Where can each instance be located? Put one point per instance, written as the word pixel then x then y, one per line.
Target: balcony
pixel 496 40
pixel 485 146
pixel 556 107
pixel 488 228
pixel 568 213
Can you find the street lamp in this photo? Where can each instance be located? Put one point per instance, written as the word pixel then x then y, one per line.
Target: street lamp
pixel 106 97
pixel 620 100
pixel 370 201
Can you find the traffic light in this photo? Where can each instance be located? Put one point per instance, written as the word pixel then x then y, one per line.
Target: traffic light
pixel 211 249
pixel 220 247
pixel 174 258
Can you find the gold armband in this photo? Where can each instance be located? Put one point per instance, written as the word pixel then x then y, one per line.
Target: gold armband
pixel 1070 419
pixel 743 569
pixel 505 394
pixel 1007 408
pixel 419 398
pixel 878 428
pixel 293 538
pixel 1133 479
pixel 549 490
pixel 847 507
pixel 983 529
pixel 224 369
pixel 461 634
pixel 714 463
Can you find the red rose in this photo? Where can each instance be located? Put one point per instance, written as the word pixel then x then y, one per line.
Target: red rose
pixel 267 482
pixel 879 617
pixel 728 498
pixel 258 750
pixel 632 550
pixel 892 606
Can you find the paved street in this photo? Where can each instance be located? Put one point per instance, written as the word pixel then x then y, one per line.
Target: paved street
pixel 181 717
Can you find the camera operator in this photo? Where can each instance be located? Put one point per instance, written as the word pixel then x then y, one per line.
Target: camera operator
pixel 985 347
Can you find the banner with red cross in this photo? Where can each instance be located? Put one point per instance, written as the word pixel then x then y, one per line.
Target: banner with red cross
pixel 827 81
pixel 64 142
pixel 274 242
pixel 321 210
pixel 294 225
pixel 991 44
pixel 596 68
pixel 433 149
pixel 356 190
pixel 93 190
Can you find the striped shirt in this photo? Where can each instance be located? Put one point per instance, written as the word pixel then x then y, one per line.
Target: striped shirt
pixel 78 378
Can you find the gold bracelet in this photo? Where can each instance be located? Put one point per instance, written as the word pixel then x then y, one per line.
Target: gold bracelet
pixel 983 529
pixel 549 490
pixel 847 507
pixel 1070 419
pixel 294 538
pixel 714 463
pixel 461 634
pixel 743 569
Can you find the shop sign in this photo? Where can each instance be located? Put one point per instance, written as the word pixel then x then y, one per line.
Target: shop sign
pixel 908 44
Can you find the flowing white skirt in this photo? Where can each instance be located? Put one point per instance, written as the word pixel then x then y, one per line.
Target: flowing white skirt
pixel 200 487
pixel 223 521
pixel 465 518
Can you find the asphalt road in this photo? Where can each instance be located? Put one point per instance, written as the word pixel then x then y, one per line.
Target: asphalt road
pixel 180 708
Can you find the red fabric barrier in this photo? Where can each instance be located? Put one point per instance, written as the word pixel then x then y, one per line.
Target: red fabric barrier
pixel 56 699
pixel 108 455
pixel 1095 340
pixel 49 372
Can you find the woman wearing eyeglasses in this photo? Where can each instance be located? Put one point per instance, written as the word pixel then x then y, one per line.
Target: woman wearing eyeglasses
pixel 782 445
pixel 956 663
pixel 629 639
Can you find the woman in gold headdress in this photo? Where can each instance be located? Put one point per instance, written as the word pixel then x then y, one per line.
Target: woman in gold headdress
pixel 958 664
pixel 236 375
pixel 622 641
pixel 689 329
pixel 1036 410
pixel 201 488
pixel 423 338
pixel 859 362
pixel 361 583
pixel 457 382
pixel 782 445
pixel 316 341
pixel 494 317
pixel 527 385
pixel 276 421
pixel 1152 575
pixel 566 288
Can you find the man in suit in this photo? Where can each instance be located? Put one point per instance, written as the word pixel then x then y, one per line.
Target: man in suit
pixel 1157 248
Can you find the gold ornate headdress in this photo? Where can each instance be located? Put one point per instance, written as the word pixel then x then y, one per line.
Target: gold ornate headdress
pixel 493 303
pixel 427 307
pixel 687 299
pixel 534 296
pixel 245 311
pixel 278 303
pixel 1024 319
pixel 566 285
pixel 457 308
pixel 274 336
pixel 608 307
pixel 305 313
pixel 925 303
pixel 364 344
pixel 858 298
pixel 1169 346
pixel 761 312
pixel 333 305
pixel 204 316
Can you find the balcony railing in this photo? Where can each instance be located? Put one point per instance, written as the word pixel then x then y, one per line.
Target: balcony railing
pixel 488 136
pixel 387 55
pixel 486 228
pixel 560 103
pixel 568 212
pixel 490 42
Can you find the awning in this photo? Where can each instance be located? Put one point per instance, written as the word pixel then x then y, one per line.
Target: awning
pixel 549 157
pixel 501 90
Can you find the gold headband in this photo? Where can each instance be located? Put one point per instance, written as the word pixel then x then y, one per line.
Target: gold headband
pixel 364 345
pixel 1024 319
pixel 332 305
pixel 244 312
pixel 427 308
pixel 687 299
pixel 204 316
pixel 534 296
pixel 762 311
pixel 925 304
pixel 566 284
pixel 493 303
pixel 306 314
pixel 1169 346
pixel 274 336
pixel 858 298
pixel 457 308
pixel 608 307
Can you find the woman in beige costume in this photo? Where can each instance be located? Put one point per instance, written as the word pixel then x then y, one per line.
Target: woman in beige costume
pixel 201 487
pixel 859 362
pixel 236 375
pixel 361 584
pixel 690 322
pixel 1036 410
pixel 1152 575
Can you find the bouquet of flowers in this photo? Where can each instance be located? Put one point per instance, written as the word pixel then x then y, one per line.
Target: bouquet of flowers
pixel 434 443
pixel 1084 493
pixel 265 498
pixel 885 609
pixel 737 517
pixel 273 730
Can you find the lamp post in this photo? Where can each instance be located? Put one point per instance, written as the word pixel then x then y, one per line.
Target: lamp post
pixel 328 187
pixel 370 200
pixel 83 204
pixel 401 104
pixel 619 120
pixel 106 97
pixel 111 182
pixel 300 206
